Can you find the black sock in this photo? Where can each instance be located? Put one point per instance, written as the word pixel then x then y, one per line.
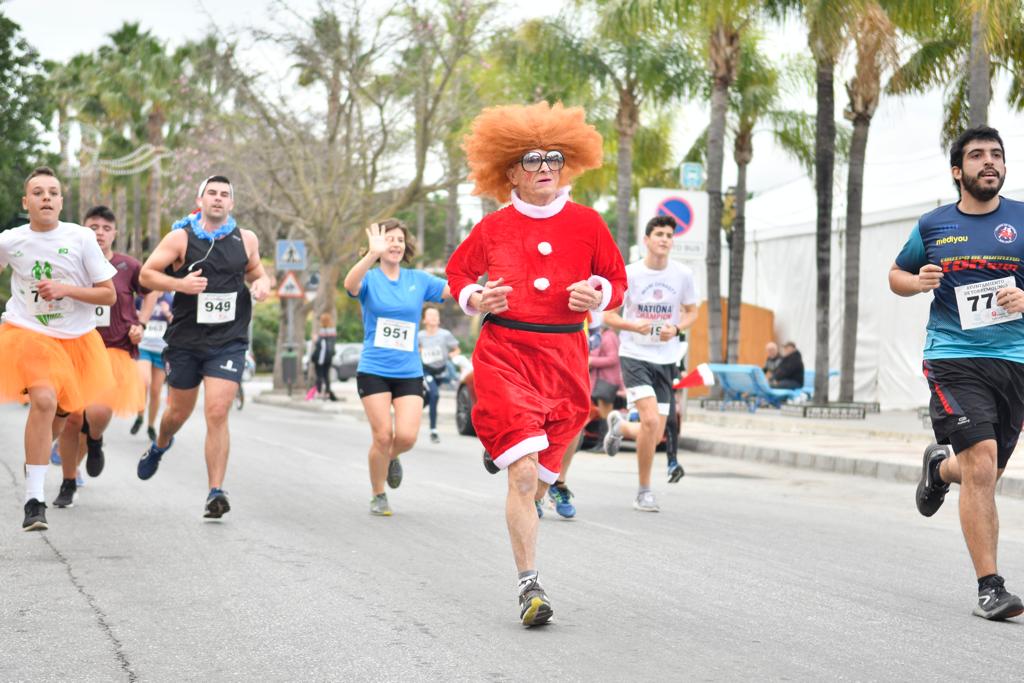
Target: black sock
pixel 935 466
pixel 987 580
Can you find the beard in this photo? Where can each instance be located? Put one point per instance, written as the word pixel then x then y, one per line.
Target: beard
pixel 972 186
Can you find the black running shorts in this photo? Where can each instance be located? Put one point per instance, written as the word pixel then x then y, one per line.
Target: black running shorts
pixel 186 368
pixel 974 399
pixel 368 384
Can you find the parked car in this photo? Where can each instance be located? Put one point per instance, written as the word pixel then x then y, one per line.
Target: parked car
pixel 346 360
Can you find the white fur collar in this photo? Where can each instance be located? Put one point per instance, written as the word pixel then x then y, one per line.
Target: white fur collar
pixel 546 211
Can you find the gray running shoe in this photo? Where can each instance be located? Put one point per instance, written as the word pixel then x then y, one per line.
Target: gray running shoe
pixel 379 505
pixel 534 606
pixel 394 473
pixel 645 502
pixel 35 516
pixel 613 439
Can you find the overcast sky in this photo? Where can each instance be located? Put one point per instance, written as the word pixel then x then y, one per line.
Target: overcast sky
pixel 904 164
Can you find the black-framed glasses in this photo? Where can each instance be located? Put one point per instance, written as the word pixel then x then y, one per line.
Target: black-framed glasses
pixel 532 161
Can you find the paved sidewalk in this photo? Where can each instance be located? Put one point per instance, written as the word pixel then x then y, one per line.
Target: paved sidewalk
pixel 886 445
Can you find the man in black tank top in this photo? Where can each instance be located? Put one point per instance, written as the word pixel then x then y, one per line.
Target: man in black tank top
pixel 207 261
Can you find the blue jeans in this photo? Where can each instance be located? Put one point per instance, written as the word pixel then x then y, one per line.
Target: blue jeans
pixel 432 393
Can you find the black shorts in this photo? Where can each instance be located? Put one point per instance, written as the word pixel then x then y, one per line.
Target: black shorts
pixel 186 368
pixel 646 380
pixel 367 384
pixel 975 399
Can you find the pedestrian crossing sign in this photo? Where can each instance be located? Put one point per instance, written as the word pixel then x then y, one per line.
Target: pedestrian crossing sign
pixel 290 255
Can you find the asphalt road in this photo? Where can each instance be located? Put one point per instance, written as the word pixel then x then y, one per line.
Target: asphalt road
pixel 749 572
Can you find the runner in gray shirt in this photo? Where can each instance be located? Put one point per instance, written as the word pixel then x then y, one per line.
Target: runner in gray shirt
pixel 436 346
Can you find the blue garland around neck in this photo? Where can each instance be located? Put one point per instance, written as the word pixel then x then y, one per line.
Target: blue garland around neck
pixel 195 221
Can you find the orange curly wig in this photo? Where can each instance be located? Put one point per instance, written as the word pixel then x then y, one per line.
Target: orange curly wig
pixel 500 135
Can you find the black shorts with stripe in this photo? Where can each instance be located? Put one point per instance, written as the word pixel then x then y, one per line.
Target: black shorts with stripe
pixel 974 399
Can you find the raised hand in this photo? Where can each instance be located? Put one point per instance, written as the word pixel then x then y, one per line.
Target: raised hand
pixel 377 244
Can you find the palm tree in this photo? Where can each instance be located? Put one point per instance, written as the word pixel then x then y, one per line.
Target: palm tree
pixel 756 98
pixel 634 62
pixel 827 23
pixel 875 39
pixel 962 46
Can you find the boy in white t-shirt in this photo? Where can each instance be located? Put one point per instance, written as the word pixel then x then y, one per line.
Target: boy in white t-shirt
pixel 51 350
pixel 660 303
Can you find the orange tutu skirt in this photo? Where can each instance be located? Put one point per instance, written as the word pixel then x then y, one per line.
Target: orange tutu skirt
pixel 128 397
pixel 78 370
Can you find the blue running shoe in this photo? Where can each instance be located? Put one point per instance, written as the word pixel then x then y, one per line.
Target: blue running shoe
pixel 54 455
pixel 561 496
pixel 150 460
pixel 540 508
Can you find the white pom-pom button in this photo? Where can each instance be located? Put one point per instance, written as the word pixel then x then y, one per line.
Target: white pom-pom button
pixel 541 283
pixel 544 248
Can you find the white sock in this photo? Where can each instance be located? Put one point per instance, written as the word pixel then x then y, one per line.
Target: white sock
pixel 35 477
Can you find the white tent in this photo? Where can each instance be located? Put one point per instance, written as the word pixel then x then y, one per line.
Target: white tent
pixel 780 274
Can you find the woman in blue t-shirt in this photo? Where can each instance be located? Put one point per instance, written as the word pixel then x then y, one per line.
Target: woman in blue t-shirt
pixel 390 373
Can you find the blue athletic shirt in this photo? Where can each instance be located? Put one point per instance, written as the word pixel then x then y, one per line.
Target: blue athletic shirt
pixel 970 248
pixel 401 300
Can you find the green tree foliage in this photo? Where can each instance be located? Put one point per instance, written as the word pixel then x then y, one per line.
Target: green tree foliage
pixel 24 113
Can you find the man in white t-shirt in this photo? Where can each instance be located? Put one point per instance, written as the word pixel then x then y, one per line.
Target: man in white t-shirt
pixel 48 342
pixel 660 303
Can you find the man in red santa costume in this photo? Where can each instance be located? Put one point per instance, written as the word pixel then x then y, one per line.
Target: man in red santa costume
pixel 548 262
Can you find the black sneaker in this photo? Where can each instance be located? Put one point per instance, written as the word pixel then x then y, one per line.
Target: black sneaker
pixel 94 459
pixel 534 606
pixel 394 473
pixel 68 494
pixel 996 603
pixel 675 473
pixel 137 425
pixel 489 464
pixel 930 490
pixel 434 437
pixel 217 504
pixel 35 516
pixel 151 433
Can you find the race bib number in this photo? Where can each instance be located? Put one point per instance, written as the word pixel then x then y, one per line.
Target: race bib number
pixel 155 329
pixel 214 309
pixel 40 306
pixel 654 337
pixel 432 355
pixel 976 303
pixel 102 314
pixel 394 334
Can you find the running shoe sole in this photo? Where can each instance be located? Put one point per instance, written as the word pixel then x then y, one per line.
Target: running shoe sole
pixel 395 473
pixel 537 613
pixel 612 443
pixel 217 508
pixel 36 526
pixel 919 500
pixel 58 503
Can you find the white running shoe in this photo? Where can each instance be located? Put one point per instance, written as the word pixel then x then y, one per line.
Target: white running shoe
pixel 645 502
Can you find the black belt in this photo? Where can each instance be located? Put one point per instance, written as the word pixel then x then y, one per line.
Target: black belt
pixel 532 327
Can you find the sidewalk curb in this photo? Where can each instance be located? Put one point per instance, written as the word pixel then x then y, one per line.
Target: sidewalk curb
pixel 887 471
pixel 294 403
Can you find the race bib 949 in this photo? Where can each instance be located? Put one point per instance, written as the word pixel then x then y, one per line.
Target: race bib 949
pixel 213 309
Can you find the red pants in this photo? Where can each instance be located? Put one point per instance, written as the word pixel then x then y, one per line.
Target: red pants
pixel 533 394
